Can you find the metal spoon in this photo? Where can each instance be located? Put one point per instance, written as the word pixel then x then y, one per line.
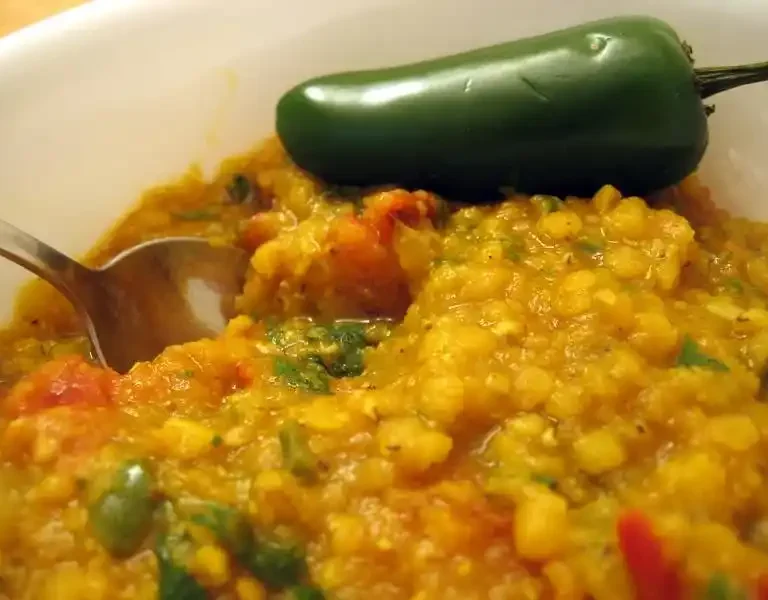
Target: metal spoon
pixel 164 292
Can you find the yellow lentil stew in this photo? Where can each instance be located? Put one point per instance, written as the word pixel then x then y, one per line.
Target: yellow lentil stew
pixel 541 398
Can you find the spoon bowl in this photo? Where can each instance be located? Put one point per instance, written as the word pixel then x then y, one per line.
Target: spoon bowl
pixel 160 293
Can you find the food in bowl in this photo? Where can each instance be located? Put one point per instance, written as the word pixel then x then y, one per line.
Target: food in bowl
pixel 543 397
pixel 555 398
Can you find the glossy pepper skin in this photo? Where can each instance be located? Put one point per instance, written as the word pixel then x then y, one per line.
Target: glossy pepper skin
pixel 121 517
pixel 614 101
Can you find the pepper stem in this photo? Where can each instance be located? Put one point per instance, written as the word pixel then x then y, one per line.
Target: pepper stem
pixel 714 80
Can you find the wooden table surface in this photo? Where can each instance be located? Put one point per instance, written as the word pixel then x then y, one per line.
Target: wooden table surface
pixel 17 13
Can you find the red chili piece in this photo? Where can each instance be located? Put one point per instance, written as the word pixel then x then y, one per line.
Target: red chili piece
pixel 762 587
pixel 653 575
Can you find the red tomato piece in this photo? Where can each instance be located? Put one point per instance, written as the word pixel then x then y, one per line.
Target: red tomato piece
pixel 245 374
pixel 654 576
pixel 258 230
pixel 357 254
pixel 762 587
pixel 356 239
pixel 76 433
pixel 409 208
pixel 366 271
pixel 68 381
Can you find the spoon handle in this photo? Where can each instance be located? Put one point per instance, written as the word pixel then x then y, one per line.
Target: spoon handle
pixel 48 263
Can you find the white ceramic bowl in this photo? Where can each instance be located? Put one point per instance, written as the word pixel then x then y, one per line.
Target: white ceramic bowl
pixel 106 100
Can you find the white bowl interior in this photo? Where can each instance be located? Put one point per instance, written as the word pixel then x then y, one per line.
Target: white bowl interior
pixel 106 100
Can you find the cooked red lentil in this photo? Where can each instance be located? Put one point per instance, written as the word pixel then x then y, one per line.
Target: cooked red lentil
pixel 542 398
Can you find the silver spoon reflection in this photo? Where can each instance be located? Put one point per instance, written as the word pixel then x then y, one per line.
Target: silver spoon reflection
pixel 157 294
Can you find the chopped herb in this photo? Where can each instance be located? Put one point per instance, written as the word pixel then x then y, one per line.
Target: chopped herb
pixel 514 248
pixel 187 374
pixel 239 190
pixel 589 247
pixel 277 564
pixel 174 582
pixel 691 356
pixel 547 204
pixel 121 516
pixel 297 455
pixel 317 333
pixel 347 332
pixel 306 592
pixel 512 255
pixel 217 441
pixel 552 204
pixel 230 527
pixel 735 284
pixel 315 352
pixel 202 214
pixel 720 587
pixel 349 364
pixel 274 332
pixel 351 340
pixel 545 480
pixel 302 374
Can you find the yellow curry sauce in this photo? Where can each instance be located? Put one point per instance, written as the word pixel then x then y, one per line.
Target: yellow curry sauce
pixel 543 398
